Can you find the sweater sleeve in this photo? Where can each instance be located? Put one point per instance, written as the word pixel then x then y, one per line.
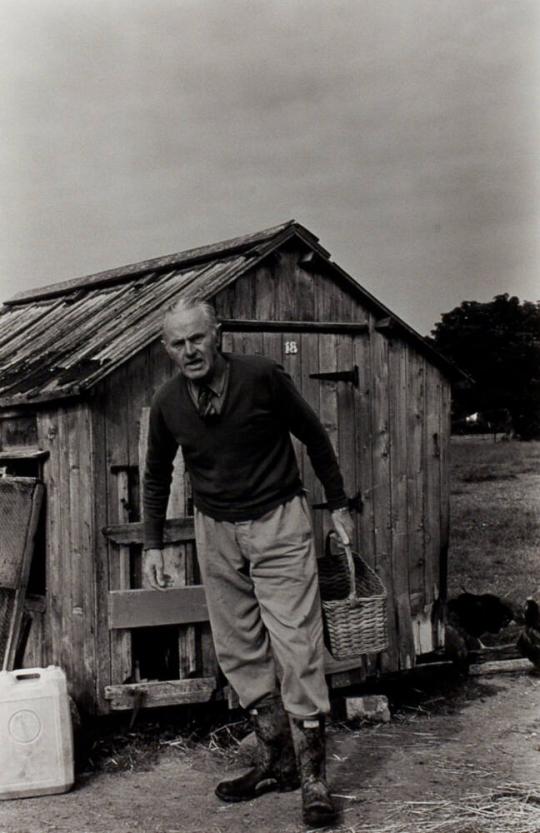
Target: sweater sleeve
pixel 160 454
pixel 303 422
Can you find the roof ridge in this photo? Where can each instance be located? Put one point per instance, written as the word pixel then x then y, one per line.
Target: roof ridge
pixel 184 258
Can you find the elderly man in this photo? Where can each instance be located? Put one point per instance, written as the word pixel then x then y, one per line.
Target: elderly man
pixel 233 415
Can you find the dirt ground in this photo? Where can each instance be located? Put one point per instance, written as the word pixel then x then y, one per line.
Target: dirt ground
pixel 436 758
pixel 459 755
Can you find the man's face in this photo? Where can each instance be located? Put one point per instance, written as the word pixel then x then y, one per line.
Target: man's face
pixel 191 342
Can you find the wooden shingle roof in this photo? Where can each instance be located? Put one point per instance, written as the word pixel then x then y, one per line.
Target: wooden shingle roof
pixel 58 341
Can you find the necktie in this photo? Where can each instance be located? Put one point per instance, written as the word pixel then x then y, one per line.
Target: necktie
pixel 204 401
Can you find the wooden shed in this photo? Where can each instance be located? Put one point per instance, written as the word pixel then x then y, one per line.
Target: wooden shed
pixel 79 363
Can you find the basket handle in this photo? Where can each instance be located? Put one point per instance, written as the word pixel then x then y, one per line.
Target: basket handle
pixel 350 562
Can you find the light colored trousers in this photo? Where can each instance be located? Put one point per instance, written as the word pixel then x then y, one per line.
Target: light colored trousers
pixel 263 599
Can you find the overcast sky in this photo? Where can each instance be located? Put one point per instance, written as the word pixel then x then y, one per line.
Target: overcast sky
pixel 403 133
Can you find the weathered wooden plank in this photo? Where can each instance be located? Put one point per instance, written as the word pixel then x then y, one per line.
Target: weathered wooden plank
pixel 206 660
pixel 326 299
pixel 50 439
pixel 101 548
pixel 398 404
pixel 363 443
pixel 175 530
pixel 238 325
pixel 294 288
pixel 34 657
pixel 363 447
pixel 346 416
pixel 432 484
pixel 504 666
pixel 227 340
pixel 168 693
pixel 65 569
pixel 224 302
pixel 21 505
pixel 416 474
pixel 23 453
pixel 292 362
pixel 119 575
pixel 445 485
pixel 381 488
pixel 143 428
pixel 187 635
pixel 349 465
pixel 328 401
pixel 287 299
pixel 304 305
pixel 265 280
pixel 494 653
pixel 273 345
pixel 117 392
pixel 63 574
pixel 147 608
pixel 309 346
pixel 432 507
pixel 19 431
pixel 250 343
pixel 243 301
pixel 47 439
pixel 81 612
pixel 17 399
pixel 209 663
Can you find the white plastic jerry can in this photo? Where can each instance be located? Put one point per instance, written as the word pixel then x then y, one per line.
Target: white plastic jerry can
pixel 36 735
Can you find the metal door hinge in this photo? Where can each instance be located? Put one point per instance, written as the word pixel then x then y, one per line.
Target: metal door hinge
pixel 339 376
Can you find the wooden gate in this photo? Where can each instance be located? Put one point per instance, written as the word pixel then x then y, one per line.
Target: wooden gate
pixel 147 624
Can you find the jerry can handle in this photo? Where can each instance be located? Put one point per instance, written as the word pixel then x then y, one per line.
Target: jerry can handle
pixel 28 674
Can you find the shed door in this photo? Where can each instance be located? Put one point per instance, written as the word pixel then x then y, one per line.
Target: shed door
pixel 305 355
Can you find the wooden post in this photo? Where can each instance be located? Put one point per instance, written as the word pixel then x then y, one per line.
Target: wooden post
pixel 119 579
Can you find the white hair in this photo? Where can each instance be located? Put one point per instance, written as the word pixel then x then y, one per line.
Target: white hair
pixel 184 305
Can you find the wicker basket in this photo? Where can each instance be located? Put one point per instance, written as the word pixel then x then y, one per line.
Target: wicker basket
pixel 353 601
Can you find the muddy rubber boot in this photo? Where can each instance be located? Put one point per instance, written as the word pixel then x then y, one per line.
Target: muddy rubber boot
pixel 309 743
pixel 275 763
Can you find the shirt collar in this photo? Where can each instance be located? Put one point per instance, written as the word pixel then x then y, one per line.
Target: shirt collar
pixel 218 380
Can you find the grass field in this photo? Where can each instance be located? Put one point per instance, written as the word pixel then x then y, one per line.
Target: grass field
pixel 495 518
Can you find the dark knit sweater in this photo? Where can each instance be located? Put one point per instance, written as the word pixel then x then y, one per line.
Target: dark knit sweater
pixel 241 463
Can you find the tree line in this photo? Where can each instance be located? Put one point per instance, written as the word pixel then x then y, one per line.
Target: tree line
pixel 498 345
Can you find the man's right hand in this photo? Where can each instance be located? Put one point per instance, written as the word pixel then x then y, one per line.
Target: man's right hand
pixel 154 574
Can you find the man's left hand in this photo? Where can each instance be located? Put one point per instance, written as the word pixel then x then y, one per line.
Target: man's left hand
pixel 343 525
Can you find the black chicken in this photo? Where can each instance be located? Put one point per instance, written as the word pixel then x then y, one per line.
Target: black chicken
pixel 470 615
pixel 476 614
pixel 529 639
